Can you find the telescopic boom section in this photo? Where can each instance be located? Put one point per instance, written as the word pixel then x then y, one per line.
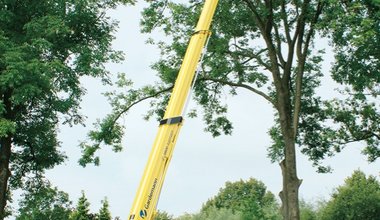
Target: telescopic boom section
pixel 145 203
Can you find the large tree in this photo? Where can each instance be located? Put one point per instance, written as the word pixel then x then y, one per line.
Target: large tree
pixel 357 198
pixel 45 48
pixel 269 48
pixel 212 214
pixel 249 198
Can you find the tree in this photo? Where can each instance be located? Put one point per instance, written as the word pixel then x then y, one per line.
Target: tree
pixel 104 213
pixel 45 48
pixel 44 202
pixel 307 211
pixel 267 47
pixel 358 198
pixel 163 216
pixel 240 200
pixel 82 210
pixel 212 214
pixel 250 198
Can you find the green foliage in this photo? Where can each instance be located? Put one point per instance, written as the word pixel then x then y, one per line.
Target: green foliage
pixel 45 49
pixel 82 210
pixel 355 33
pixel 212 214
pixel 109 131
pixel 240 200
pixel 327 126
pixel 358 198
pixel 44 203
pixel 308 211
pixel 163 216
pixel 356 36
pixel 250 198
pixel 6 127
pixel 104 213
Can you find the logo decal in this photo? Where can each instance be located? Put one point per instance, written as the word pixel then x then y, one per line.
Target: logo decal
pixel 143 213
pixel 150 196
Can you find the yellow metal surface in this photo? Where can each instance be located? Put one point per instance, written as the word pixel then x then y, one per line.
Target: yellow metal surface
pixel 144 205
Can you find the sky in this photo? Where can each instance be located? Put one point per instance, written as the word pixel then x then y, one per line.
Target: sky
pixel 201 164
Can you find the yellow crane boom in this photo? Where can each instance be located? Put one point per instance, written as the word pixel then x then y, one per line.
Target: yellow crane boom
pixel 145 203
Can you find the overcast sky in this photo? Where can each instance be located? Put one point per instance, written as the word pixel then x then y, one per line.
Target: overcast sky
pixel 201 164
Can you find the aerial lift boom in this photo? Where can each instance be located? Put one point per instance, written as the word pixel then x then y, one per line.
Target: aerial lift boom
pixel 146 199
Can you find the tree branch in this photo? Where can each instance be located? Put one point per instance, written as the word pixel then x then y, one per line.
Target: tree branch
pixel 257 17
pixel 312 26
pixel 299 31
pixel 278 40
pixel 266 33
pixel 140 100
pixel 269 21
pixel 241 85
pixel 252 55
pixel 366 135
pixel 301 67
pixel 286 24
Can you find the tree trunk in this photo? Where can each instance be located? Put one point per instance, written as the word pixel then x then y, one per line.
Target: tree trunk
pixel 5 153
pixel 290 181
pixel 289 193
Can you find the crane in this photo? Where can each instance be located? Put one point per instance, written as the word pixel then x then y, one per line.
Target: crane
pixel 146 199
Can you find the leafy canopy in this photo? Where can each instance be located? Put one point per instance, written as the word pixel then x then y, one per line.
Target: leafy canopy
pixel 44 202
pixel 162 215
pixel 358 198
pixel 45 49
pixel 355 33
pixel 212 214
pixel 249 198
